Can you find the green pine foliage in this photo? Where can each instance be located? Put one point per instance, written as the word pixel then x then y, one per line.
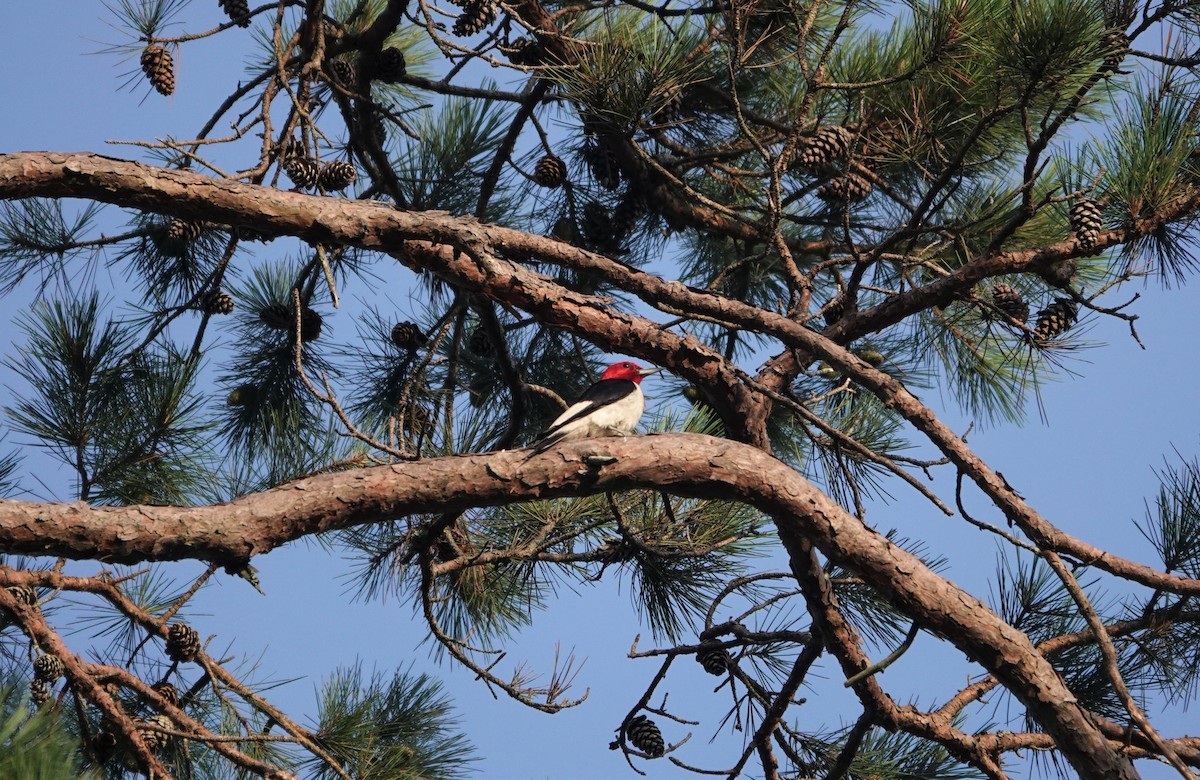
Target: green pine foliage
pixel 37 745
pixel 446 170
pixel 1149 162
pixel 10 464
pixel 395 386
pixel 1172 523
pixel 84 374
pixel 828 163
pixel 632 63
pixel 1032 598
pixel 901 757
pixel 170 270
pixel 36 236
pixel 397 727
pixel 867 609
pixel 268 407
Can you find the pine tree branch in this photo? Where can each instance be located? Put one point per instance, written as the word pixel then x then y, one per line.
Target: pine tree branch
pixel 888 660
pixel 1131 743
pixel 154 626
pixel 842 641
pixel 1110 665
pixel 47 639
pixel 1050 647
pixel 845 756
pixel 682 464
pixel 189 727
pixel 374 226
pixel 775 711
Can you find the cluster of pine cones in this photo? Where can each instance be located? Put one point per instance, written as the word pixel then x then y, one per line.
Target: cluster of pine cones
pixel 1051 322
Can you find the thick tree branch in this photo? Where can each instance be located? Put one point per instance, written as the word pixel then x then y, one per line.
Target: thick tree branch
pixel 685 464
pixel 427 241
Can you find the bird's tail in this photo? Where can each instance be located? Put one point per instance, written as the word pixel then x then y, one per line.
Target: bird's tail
pixel 544 443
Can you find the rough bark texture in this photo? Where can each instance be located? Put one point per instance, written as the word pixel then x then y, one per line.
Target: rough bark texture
pixel 474 257
pixel 684 464
pixel 464 251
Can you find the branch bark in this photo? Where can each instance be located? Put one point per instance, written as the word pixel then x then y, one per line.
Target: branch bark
pixel 683 464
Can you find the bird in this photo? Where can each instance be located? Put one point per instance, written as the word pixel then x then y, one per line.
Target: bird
pixel 610 407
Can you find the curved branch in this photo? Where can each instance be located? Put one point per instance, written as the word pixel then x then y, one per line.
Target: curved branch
pixel 684 464
pixel 426 241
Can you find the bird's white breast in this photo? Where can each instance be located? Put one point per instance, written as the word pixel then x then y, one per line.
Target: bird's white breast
pixel 621 416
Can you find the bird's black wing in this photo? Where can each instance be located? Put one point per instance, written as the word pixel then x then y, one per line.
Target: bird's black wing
pixel 602 393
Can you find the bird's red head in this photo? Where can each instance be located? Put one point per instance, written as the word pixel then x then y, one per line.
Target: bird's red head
pixel 627 370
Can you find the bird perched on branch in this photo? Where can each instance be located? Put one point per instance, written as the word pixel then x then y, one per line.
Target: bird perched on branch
pixel 610 407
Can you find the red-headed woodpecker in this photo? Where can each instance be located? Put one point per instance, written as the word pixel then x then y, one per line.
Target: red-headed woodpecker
pixel 610 407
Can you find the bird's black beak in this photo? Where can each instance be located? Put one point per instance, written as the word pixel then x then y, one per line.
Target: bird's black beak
pixel 649 371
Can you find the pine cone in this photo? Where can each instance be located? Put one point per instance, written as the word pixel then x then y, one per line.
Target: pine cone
pixel 417 421
pixel 303 172
pixel 238 11
pixel 670 107
pixel 183 643
pixel 1009 301
pixel 245 233
pixel 596 225
pixel 476 15
pixel 377 126
pixel 290 148
pixel 390 66
pixel 174 238
pixel 629 211
pixel 48 668
pixel 310 324
pixel 644 735
pixel 603 164
pixel 831 142
pixel 525 52
pixel 1061 273
pixel 159 67
pixel 835 309
pixel 242 395
pixel 408 336
pixel 714 660
pixel 155 741
pixel 183 230
pixel 1116 43
pixel 1086 222
pixel 479 343
pixel 39 692
pixel 23 594
pixel 104 744
pixel 280 316
pixel 844 189
pixel 565 229
pixel 216 302
pixel 277 316
pixel 1055 320
pixel 337 175
pixel 169 692
pixel 550 172
pixel 343 72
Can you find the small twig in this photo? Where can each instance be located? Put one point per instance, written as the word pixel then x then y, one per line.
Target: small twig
pixel 887 661
pixel 1111 668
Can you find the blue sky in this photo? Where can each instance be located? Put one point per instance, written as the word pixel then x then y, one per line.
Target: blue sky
pixel 1089 469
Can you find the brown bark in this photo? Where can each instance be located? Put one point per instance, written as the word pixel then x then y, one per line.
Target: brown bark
pixel 684 464
pixel 473 256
